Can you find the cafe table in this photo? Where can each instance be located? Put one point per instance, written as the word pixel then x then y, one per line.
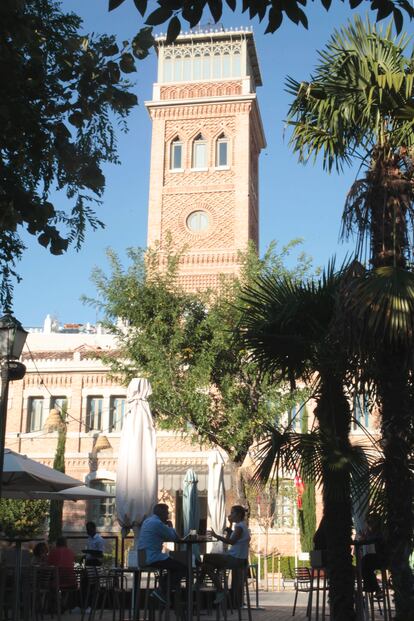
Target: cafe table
pixel 189 542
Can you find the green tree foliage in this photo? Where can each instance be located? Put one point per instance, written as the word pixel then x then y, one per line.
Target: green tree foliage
pixel 61 94
pixel 272 13
pixel 202 380
pixel 22 518
pixel 56 506
pixel 307 515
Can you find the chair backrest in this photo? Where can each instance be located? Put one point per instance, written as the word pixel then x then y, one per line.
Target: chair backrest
pixel 45 577
pixel 302 574
pixel 142 558
pixel 67 578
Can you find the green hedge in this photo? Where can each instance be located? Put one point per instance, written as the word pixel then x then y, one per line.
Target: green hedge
pixel 287 565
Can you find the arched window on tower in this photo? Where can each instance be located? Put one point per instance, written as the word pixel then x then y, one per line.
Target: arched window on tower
pixel 168 68
pixel 176 154
pixel 222 152
pixel 200 152
pixel 226 64
pixel 197 64
pixel 206 66
pixel 236 69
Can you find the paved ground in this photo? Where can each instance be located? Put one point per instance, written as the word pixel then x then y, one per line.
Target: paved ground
pixel 275 606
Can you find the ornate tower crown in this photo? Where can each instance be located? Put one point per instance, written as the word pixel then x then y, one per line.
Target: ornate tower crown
pixel 206 139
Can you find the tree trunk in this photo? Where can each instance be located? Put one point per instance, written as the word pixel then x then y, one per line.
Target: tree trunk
pixel 238 484
pixel 334 416
pixel 397 443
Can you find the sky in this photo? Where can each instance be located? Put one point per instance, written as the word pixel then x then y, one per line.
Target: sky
pixel 296 201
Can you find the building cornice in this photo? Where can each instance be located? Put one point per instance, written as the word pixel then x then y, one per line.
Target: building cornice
pixel 201 101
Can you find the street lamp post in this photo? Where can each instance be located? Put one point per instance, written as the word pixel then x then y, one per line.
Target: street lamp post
pixel 12 340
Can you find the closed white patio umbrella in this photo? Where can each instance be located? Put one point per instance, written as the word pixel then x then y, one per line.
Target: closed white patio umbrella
pixel 216 497
pixel 21 474
pixel 137 477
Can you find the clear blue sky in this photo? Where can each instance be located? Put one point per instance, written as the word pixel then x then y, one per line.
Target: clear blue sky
pixel 295 200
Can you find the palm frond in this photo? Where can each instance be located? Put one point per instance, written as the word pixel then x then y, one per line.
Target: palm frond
pixel 362 84
pixel 312 454
pixel 381 308
pixel 285 324
pixel 282 452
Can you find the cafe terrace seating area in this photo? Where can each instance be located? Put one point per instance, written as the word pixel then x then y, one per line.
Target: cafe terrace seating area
pixel 124 593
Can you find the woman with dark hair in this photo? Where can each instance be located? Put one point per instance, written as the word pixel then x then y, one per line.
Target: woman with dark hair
pixel 40 552
pixel 238 537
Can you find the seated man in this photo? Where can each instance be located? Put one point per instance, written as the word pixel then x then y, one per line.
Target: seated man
pixel 95 546
pixel 238 537
pixel 154 532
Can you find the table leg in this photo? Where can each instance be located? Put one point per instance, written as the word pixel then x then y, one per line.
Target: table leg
pixel 189 582
pixel 136 584
pixel 17 581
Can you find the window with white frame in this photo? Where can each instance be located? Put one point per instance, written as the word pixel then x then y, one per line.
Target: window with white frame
pixel 102 511
pixel 222 152
pixel 198 221
pixel 94 407
pixel 117 412
pixel 35 414
pixel 60 404
pixel 176 154
pixel 199 152
pixel 298 418
pixel 361 413
pixel 284 505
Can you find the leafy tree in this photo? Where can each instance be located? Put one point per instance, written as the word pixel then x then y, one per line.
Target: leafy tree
pixel 22 518
pixel 56 506
pixel 61 94
pixel 360 102
pixel 202 381
pixel 290 330
pixel 307 517
pixel 269 11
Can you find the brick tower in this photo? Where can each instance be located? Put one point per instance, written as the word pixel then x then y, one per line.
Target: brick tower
pixel 206 139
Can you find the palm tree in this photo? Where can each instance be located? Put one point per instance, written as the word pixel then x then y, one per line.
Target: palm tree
pixel 288 328
pixel 360 104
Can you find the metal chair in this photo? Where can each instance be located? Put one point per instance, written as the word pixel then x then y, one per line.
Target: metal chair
pixel 46 596
pixel 303 584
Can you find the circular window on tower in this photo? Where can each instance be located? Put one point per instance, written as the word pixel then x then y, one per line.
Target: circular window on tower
pixel 198 221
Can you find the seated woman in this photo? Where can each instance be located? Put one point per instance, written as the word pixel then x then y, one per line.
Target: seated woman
pixel 238 537
pixel 40 552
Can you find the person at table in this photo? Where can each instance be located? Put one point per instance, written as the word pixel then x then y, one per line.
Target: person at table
pixel 95 546
pixel 63 558
pixel 375 556
pixel 155 531
pixel 40 553
pixel 238 538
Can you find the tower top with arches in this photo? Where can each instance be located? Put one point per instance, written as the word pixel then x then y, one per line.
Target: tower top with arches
pixel 206 139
